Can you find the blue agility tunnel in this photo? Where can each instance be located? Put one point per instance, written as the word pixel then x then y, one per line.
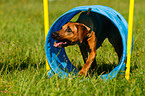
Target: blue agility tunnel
pixel 57 58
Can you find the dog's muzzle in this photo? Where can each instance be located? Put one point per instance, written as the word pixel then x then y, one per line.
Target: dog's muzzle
pixel 60 41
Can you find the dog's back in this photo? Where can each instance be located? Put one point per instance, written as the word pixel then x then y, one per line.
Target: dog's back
pixel 103 29
pixel 98 23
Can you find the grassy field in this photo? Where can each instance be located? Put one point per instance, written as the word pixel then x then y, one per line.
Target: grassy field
pixel 22 55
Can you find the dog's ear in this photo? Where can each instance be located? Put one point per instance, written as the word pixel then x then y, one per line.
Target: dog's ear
pixel 82 31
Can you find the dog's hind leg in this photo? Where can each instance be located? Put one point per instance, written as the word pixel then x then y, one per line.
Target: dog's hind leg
pixel 116 40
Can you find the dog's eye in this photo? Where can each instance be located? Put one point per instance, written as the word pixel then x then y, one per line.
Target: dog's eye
pixel 68 29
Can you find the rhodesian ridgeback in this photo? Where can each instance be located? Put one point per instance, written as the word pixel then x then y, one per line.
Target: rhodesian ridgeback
pixel 89 32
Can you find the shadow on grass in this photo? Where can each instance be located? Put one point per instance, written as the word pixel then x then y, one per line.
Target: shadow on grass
pixel 105 68
pixel 100 68
pixel 7 68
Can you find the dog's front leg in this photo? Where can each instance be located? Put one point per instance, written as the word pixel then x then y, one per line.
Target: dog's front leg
pixel 92 44
pixel 84 51
pixel 87 65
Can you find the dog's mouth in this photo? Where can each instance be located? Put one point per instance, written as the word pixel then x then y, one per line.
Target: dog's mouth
pixel 61 43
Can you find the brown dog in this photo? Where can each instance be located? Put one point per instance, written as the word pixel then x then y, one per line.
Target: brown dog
pixel 89 32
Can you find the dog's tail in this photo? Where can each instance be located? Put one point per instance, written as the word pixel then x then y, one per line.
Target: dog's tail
pixel 89 10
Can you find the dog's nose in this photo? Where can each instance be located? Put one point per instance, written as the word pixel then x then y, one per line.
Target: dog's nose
pixel 54 34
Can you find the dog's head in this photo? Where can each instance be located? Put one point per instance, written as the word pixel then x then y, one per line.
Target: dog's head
pixel 71 33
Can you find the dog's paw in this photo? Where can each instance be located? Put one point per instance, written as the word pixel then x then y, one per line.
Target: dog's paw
pixel 82 72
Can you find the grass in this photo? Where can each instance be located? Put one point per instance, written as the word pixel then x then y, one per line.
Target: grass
pixel 22 55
